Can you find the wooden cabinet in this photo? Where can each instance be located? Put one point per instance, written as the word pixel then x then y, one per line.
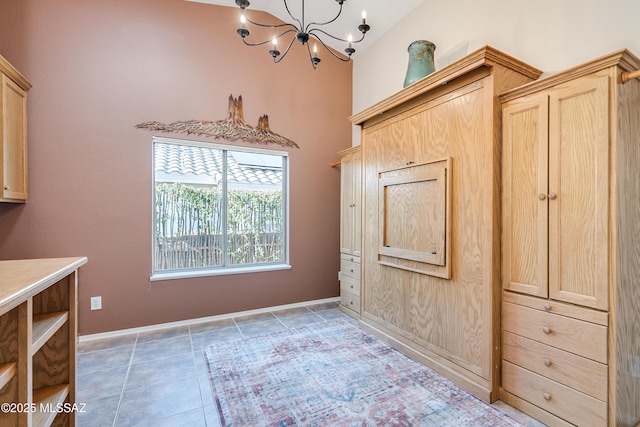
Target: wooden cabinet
pixel 38 341
pixel 13 132
pixel 350 204
pixel 571 209
pixel 350 230
pixel 438 141
pixel 556 174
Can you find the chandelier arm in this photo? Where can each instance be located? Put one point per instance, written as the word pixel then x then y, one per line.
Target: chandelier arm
pixel 306 29
pixel 287 49
pixel 318 30
pixel 269 40
pixel 328 49
pixel 271 25
pixel 301 24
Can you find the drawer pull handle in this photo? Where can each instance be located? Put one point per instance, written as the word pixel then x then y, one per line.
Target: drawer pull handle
pixel 547 396
pixel 351 258
pixel 546 330
pixel 552 196
pixel 547 306
pixel 542 196
pixel 547 362
pixel 351 286
pixel 351 302
pixel 351 270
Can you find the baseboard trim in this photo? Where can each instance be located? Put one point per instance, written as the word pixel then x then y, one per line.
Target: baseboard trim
pixel 160 326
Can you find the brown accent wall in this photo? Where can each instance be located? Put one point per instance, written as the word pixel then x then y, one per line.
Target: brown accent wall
pixel 100 67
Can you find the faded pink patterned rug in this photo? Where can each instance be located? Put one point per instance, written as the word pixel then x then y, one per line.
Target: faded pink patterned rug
pixel 335 374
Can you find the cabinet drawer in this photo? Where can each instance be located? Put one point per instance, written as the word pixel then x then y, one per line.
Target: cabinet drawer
pixel 566 403
pixel 349 284
pixel 350 268
pixel 576 336
pixel 577 372
pixel 352 258
pixel 350 301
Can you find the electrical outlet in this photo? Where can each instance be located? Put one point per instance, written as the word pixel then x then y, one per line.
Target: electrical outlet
pixel 339 276
pixel 96 303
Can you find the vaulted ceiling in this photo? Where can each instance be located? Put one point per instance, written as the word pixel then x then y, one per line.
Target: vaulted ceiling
pixel 381 15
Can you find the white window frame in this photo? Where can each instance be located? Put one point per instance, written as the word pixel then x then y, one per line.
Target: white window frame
pixel 223 270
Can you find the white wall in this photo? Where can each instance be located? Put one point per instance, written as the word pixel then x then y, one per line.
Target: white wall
pixel 551 35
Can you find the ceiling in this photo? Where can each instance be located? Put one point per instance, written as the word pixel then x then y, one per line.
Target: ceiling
pixel 381 16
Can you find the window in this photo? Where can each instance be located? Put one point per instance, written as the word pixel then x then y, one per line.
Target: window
pixel 218 209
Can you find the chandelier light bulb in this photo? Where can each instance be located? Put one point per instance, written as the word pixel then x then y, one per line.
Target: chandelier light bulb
pixel 364 16
pixel 243 20
pixel 275 41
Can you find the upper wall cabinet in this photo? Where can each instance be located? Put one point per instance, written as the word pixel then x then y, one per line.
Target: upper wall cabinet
pixel 13 132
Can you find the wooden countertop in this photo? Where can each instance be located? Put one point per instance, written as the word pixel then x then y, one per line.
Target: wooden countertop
pixel 21 279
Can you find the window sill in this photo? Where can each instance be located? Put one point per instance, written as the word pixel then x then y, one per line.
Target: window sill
pixel 220 272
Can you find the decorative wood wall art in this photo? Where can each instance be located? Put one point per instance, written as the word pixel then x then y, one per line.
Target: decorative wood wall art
pixel 232 128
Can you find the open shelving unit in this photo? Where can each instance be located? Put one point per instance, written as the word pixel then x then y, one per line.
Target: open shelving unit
pixel 38 334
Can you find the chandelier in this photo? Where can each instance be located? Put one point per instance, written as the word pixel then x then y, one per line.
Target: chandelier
pixel 302 32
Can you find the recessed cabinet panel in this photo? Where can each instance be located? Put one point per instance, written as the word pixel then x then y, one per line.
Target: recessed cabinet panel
pixel 579 192
pixel 414 217
pixel 525 188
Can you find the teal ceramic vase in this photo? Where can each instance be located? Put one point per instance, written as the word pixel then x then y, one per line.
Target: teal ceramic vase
pixel 420 61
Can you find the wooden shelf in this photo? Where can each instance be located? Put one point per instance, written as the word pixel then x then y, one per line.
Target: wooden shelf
pixel 48 397
pixel 45 325
pixel 7 371
pixel 38 324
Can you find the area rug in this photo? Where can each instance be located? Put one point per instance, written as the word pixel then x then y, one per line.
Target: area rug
pixel 335 374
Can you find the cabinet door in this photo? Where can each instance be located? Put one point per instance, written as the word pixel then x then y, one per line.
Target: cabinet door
pixel 579 192
pixel 525 183
pixel 346 205
pixel 357 202
pixel 13 133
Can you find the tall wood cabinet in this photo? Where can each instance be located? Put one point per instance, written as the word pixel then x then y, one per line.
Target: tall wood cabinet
pixel 571 238
pixel 38 327
pixel 431 217
pixel 350 230
pixel 13 133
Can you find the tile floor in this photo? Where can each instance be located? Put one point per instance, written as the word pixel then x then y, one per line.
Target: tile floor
pixel 159 378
